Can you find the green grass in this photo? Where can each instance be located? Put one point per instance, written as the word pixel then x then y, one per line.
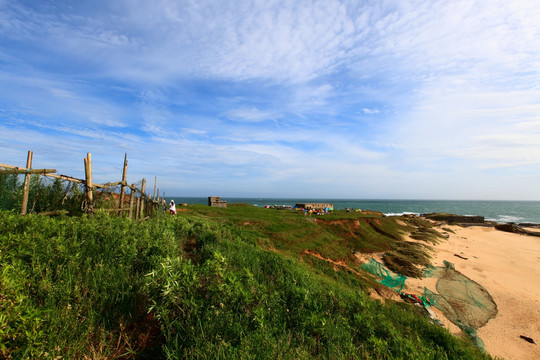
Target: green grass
pixel 207 284
pixel 336 236
pixel 423 230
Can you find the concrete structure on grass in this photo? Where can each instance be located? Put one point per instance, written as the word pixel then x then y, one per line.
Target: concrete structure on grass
pixel 215 201
pixel 315 206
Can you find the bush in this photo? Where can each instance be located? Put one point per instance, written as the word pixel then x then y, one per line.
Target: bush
pixel 44 195
pixel 110 287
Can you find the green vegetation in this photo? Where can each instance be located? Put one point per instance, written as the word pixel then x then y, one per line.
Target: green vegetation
pixel 447 229
pixel 438 216
pixel 10 192
pixel 44 194
pixel 336 237
pixel 209 283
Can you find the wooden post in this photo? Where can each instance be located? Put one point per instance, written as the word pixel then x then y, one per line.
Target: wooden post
pixel 131 200
pixel 155 184
pixel 124 173
pixel 88 174
pixel 137 209
pixel 46 172
pixel 26 188
pixel 143 197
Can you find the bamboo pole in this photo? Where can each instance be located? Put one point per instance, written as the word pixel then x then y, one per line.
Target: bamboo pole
pixel 19 170
pixel 137 209
pixel 131 200
pixel 143 197
pixel 81 181
pixel 88 173
pixel 114 210
pixel 124 173
pixel 9 166
pixel 111 184
pixel 155 185
pixel 26 188
pixel 68 178
pixel 27 171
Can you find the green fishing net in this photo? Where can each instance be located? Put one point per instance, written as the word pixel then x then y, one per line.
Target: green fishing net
pixel 463 301
pixel 388 278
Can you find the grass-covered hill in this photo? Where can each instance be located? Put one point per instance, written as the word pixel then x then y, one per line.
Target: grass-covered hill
pixel 241 282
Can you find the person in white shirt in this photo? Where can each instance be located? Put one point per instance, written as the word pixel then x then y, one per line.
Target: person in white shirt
pixel 172 207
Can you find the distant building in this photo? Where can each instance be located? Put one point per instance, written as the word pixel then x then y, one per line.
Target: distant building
pixel 315 206
pixel 215 201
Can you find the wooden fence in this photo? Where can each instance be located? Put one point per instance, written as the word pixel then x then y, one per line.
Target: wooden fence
pixel 140 207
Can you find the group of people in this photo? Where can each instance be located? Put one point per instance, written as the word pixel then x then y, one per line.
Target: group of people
pixel 172 207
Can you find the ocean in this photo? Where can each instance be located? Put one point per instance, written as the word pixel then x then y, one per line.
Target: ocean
pixel 499 211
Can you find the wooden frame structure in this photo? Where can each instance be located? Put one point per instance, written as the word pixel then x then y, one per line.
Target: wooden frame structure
pixel 145 204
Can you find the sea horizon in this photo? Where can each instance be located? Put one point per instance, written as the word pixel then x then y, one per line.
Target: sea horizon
pixel 505 211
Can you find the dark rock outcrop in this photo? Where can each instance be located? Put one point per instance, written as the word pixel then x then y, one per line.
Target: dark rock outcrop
pixel 516 229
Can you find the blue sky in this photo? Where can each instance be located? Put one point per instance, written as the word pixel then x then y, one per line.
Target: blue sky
pixel 349 99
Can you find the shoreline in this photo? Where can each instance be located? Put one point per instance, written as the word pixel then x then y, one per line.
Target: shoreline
pixel 501 211
pixel 507 265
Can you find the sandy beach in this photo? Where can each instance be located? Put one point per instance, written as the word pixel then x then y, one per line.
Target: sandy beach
pixel 507 265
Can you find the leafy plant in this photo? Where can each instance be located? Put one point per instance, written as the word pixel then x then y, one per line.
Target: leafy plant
pixel 199 286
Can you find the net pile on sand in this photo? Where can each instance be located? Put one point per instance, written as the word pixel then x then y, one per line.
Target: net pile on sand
pixel 463 301
pixel 388 278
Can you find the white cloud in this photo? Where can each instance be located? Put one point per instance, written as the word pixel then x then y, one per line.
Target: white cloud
pixel 275 41
pixel 483 129
pixel 280 90
pixel 54 100
pixel 250 114
pixel 370 111
pixel 308 97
